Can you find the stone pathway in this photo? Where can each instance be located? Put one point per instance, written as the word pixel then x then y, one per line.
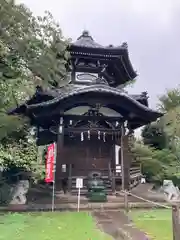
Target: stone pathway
pixel 117 224
pixel 107 225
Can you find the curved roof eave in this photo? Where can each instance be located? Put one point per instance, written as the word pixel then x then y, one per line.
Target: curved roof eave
pixel 120 53
pixel 97 51
pixel 46 96
pixel 127 62
pixel 101 89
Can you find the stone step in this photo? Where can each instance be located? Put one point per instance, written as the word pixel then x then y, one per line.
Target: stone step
pixel 85 188
pixel 85 185
pixel 85 191
pixel 86 180
pixel 82 192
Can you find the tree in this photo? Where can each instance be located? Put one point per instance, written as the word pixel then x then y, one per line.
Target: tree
pixel 154 135
pixel 169 100
pixel 171 121
pixel 32 52
pixel 32 47
pixel 150 167
pixel 157 165
pixel 162 139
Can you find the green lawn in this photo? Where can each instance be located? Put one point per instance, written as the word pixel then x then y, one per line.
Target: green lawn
pixel 49 226
pixel 155 223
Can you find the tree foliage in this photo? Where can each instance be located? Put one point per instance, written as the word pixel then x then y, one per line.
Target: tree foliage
pixel 154 135
pixel 156 165
pixel 169 100
pixel 160 150
pixel 32 52
pixel 32 47
pixel 171 122
pixel 20 156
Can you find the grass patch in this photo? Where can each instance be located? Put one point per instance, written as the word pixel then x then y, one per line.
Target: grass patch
pixel 157 224
pixel 50 226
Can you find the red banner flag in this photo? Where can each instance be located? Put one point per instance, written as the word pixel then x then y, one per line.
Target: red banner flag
pixel 50 161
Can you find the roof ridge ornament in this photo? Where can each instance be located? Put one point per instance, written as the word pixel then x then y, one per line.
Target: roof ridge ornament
pixel 145 94
pixel 124 45
pixel 85 34
pixel 86 40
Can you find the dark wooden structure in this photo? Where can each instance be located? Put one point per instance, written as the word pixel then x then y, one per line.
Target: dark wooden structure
pixel 92 115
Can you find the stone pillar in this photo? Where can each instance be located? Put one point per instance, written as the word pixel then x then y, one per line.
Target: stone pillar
pixel 40 154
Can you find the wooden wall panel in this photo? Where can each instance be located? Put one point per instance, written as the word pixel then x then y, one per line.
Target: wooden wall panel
pixel 85 156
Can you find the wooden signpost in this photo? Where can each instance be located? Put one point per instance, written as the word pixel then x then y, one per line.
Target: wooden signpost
pixel 79 185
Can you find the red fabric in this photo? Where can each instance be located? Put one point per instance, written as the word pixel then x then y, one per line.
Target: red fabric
pixel 50 160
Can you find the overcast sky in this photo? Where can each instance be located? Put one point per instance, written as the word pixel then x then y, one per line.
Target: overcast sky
pixel 151 28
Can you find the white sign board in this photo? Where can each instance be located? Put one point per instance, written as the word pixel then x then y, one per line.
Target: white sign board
pixel 117 148
pixel 79 182
pixel 86 77
pixel 79 185
pixel 118 168
pixel 143 180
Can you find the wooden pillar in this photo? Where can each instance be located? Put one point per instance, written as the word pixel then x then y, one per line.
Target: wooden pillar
pixel 175 221
pixel 70 178
pixel 113 158
pixel 109 168
pixel 113 182
pixel 127 162
pixel 126 158
pixel 61 134
pixel 60 144
pixel 122 158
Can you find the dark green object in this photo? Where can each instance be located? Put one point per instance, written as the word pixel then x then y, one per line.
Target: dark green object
pixel 96 188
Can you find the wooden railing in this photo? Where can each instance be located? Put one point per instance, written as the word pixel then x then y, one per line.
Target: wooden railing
pixel 104 171
pixel 135 170
pixel 84 171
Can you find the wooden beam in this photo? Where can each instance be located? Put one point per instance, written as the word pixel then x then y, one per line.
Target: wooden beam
pixel 79 117
pixel 74 129
pixel 46 123
pixel 99 118
pixel 79 130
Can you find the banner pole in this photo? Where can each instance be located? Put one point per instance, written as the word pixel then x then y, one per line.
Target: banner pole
pixel 54 175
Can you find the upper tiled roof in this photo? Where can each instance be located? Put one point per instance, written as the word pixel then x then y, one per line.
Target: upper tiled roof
pixel 85 40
